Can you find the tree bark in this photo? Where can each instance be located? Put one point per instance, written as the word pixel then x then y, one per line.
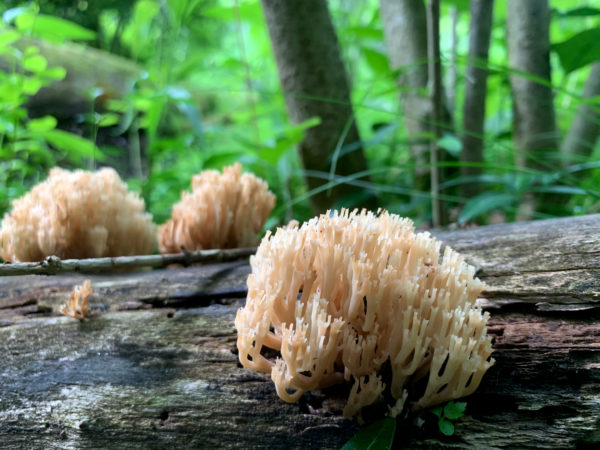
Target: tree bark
pixel 480 31
pixel 155 363
pixel 585 129
pixel 405 30
pixel 534 130
pixel 315 83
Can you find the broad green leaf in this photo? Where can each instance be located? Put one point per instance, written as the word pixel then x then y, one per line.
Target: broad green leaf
pixel 376 60
pixel 579 50
pixel 42 124
pixel 31 85
pixel 35 63
pixel 59 30
pixel 24 21
pixel 485 202
pixel 451 144
pixel 377 436
pixel 54 73
pixel 461 5
pixel 437 411
pixel 583 11
pixel 364 32
pixel 109 119
pixel 72 144
pixel 7 37
pixel 446 427
pixel 454 410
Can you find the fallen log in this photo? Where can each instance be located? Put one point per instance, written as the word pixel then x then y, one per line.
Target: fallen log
pixel 156 365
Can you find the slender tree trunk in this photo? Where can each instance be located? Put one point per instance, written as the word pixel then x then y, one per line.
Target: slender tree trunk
pixel 405 29
pixel 534 130
pixel 585 129
pixel 452 78
pixel 315 83
pixel 480 31
pixel 438 208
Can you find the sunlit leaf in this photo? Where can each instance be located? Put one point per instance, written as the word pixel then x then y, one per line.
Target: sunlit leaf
pixel 74 145
pixel 377 436
pixel 52 28
pixel 377 60
pixel 55 73
pixel 42 124
pixel 7 37
pixel 31 86
pixel 35 63
pixel 109 120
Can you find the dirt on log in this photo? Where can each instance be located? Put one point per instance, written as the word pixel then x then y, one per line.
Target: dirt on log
pixel 156 365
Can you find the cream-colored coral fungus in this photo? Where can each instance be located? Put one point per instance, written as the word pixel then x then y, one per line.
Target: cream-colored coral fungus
pixel 77 214
pixel 360 297
pixel 225 210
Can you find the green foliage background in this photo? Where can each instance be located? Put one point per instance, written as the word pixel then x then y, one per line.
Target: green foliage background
pixel 207 95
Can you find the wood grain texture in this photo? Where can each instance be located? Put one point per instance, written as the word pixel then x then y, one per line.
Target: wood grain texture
pixel 155 366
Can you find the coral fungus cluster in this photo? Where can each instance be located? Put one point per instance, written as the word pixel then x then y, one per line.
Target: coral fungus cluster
pixel 361 297
pixel 77 214
pixel 223 211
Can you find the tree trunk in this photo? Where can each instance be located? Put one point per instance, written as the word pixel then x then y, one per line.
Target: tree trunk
pixel 315 84
pixel 405 29
pixel 436 154
pixel 585 129
pixel 155 365
pixel 534 129
pixel 475 93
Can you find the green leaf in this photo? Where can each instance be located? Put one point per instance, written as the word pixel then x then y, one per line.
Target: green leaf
pixel 7 37
pixel 451 144
pixel 376 60
pixel 42 124
pixel 55 73
pixel 31 85
pixel 109 119
pixel 577 12
pixel 35 63
pixel 454 410
pixel 579 50
pixel 437 411
pixel 446 427
pixel 461 5
pixel 485 202
pixel 72 144
pixel 24 20
pixel 59 30
pixel 377 436
pixel 364 32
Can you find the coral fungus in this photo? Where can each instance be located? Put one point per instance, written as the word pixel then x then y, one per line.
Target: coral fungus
pixel 361 297
pixel 77 214
pixel 77 304
pixel 223 211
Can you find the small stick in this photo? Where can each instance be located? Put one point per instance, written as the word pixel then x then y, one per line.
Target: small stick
pixel 53 264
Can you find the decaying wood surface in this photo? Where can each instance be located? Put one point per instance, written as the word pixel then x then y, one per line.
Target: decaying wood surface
pixel 155 364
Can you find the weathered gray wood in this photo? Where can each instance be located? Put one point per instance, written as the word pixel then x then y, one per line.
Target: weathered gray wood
pixel 168 376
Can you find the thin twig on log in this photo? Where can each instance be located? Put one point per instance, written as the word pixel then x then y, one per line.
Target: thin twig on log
pixel 53 264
